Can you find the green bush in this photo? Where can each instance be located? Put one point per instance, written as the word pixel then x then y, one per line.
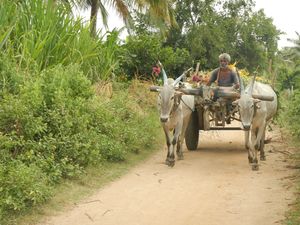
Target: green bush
pixel 141 53
pixel 291 113
pixel 52 124
pixel 10 78
pixel 57 126
pixel 21 186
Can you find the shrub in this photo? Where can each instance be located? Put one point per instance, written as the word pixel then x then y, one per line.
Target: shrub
pixel 292 113
pixel 21 186
pixel 142 52
pixel 10 78
pixel 55 126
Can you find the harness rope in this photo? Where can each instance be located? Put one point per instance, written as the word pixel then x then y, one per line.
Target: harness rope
pixel 187 106
pixel 176 104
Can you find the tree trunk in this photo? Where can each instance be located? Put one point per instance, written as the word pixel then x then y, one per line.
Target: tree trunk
pixel 93 19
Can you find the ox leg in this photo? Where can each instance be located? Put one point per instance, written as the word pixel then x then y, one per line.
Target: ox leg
pixel 179 148
pixel 262 146
pixel 253 149
pixel 170 160
pixel 175 144
pixel 182 136
pixel 247 134
pixel 168 141
pixel 180 143
pixel 171 156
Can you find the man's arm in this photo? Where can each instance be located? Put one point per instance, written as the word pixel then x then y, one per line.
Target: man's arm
pixel 235 79
pixel 213 77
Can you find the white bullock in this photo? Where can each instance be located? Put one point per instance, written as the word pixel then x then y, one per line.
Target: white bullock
pixel 175 110
pixel 255 115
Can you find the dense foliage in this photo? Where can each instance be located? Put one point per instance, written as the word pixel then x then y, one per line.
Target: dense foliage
pixel 40 36
pixel 54 123
pixel 143 51
pixel 208 28
pixel 288 81
pixel 54 127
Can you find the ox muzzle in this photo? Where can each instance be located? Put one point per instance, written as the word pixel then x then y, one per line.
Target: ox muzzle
pixel 164 119
pixel 246 127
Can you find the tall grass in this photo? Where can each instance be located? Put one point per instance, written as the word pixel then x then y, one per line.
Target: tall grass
pixel 289 119
pixel 40 35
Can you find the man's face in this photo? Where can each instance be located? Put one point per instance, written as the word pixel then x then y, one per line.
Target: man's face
pixel 223 63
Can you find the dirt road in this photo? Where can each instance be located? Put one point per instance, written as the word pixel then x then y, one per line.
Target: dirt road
pixel 211 186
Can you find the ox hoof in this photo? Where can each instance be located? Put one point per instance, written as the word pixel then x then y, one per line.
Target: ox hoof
pixel 250 159
pixel 180 157
pixel 263 158
pixel 255 167
pixel 171 163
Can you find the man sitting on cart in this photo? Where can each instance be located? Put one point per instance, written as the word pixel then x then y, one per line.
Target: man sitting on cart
pixel 223 75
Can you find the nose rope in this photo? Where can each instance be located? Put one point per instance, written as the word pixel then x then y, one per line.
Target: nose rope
pixel 175 106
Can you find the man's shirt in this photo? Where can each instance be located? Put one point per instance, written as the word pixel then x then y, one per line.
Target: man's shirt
pixel 225 77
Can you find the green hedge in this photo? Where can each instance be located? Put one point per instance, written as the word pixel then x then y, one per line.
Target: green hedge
pixel 55 126
pixel 290 112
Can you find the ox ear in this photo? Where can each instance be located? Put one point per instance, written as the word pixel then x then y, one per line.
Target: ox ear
pixel 255 101
pixel 155 88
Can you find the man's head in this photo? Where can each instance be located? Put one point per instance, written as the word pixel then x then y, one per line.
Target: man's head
pixel 224 60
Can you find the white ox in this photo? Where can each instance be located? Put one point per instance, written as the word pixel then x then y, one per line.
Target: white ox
pixel 175 110
pixel 255 115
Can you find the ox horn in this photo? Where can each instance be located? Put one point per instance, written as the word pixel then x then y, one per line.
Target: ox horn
pixel 181 76
pixel 165 78
pixel 242 85
pixel 252 84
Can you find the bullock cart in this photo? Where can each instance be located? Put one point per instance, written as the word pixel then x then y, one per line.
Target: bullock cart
pixel 213 110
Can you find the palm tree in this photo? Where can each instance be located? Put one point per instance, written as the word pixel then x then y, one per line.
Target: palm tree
pixel 161 9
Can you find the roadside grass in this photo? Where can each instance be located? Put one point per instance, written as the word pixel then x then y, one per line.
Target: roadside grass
pixel 69 193
pixel 293 214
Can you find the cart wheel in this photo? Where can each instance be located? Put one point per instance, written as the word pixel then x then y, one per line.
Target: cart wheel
pixel 192 132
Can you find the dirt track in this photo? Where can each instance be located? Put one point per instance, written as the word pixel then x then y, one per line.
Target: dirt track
pixel 211 186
